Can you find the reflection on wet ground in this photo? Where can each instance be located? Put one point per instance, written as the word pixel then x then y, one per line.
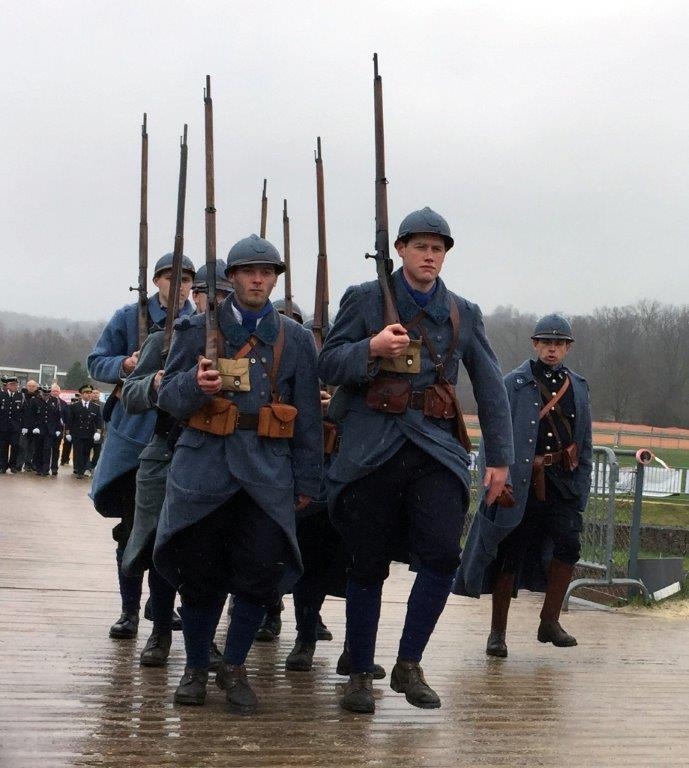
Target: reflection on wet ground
pixel 70 696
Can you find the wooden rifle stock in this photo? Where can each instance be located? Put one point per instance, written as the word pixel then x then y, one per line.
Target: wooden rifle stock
pixel 289 305
pixel 264 210
pixel 211 351
pixel 320 313
pixel 142 288
pixel 178 252
pixel 382 254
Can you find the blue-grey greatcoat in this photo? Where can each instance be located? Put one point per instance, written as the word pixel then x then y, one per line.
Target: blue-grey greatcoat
pixel 492 524
pixel 140 396
pixel 206 469
pixel 369 437
pixel 128 434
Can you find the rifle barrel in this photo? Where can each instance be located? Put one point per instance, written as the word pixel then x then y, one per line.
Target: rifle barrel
pixel 264 210
pixel 211 350
pixel 143 239
pixel 289 303
pixel 320 313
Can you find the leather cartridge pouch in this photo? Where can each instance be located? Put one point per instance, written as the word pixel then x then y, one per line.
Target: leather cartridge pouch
pixel 234 374
pixel 388 395
pixel 218 417
pixel 438 402
pixel 276 420
pixel 408 362
pixel 329 437
pixel 570 457
pixel 506 497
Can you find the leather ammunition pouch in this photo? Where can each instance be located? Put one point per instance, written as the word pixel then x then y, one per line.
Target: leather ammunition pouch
pixel 234 374
pixel 276 420
pixel 570 457
pixel 506 497
pixel 329 437
pixel 388 394
pixel 438 402
pixel 217 417
pixel 408 362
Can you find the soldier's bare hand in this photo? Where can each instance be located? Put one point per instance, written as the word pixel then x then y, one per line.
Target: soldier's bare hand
pixel 326 397
pixel 129 363
pixel 208 378
pixel 157 379
pixel 494 481
pixel 391 342
pixel 302 502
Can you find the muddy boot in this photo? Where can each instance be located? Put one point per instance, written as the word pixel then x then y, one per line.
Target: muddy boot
pixel 344 665
pixel 358 694
pixel 192 687
pixel 156 650
pixel 502 594
pixel 322 632
pixel 407 678
pixel 549 630
pixel 300 658
pixel 238 693
pixel 271 625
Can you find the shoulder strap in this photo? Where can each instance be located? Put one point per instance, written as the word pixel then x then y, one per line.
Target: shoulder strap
pixel 243 351
pixel 454 319
pixel 278 347
pixel 554 400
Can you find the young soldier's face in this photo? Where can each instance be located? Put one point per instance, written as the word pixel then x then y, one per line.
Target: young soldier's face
pixel 162 283
pixel 253 285
pixel 422 259
pixel 551 351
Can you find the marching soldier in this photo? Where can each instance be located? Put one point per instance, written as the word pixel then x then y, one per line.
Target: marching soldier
pixel 83 428
pixel 252 452
pixel 199 290
pixel 11 408
pixel 536 543
pixel 113 489
pixel 399 486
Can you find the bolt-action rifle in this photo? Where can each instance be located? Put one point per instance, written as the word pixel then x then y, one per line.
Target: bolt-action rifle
pixel 382 254
pixel 289 302
pixel 177 254
pixel 142 288
pixel 211 306
pixel 320 313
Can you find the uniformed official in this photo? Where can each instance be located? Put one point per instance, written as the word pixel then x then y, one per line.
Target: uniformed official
pixel 26 441
pixel 58 437
pixel 113 489
pixel 536 543
pixel 399 486
pixel 11 409
pixel 44 422
pixel 84 427
pixel 251 453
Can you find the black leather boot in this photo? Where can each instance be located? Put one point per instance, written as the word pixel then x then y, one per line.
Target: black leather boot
pixel 322 632
pixel 271 625
pixel 126 627
pixel 238 693
pixel 549 630
pixel 300 658
pixel 407 678
pixel 502 595
pixel 358 694
pixel 156 650
pixel 344 666
pixel 192 687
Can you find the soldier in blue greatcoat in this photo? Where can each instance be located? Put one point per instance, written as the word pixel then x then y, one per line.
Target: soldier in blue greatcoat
pixel 237 476
pixel 113 488
pixel 399 486
pixel 535 543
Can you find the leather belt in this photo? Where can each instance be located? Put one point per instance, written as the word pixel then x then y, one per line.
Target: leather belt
pixel 538 474
pixel 417 400
pixel 247 421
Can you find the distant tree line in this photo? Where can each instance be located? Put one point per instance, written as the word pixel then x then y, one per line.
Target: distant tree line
pixel 636 358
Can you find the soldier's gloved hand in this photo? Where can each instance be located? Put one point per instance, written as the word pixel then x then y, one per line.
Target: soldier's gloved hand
pixel 25 431
pixel 58 433
pixel 96 437
pixel 207 378
pixel 36 431
pixel 68 438
pixel 391 342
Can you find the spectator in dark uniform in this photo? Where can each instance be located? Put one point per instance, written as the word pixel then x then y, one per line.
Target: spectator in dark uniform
pixel 59 439
pixel 11 407
pixel 84 427
pixel 44 422
pixel 96 447
pixel 26 442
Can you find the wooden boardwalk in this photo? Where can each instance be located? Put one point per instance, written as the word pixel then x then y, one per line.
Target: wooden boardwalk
pixel 69 696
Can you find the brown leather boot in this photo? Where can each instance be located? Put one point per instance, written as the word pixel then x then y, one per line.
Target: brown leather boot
pixel 502 594
pixel 549 630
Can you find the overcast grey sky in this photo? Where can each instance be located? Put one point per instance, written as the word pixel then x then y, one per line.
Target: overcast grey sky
pixel 553 136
